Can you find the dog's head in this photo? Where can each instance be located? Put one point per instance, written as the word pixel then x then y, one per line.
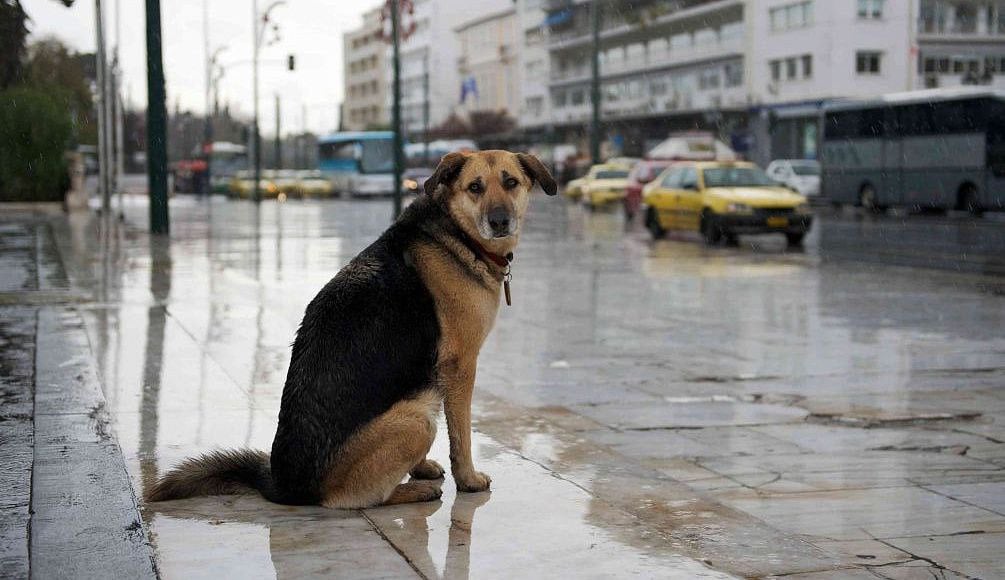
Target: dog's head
pixel 487 192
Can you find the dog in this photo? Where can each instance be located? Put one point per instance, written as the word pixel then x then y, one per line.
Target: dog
pixel 392 337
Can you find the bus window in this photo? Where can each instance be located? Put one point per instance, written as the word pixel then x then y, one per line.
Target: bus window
pixel 377 156
pixel 915 120
pixel 996 139
pixel 964 116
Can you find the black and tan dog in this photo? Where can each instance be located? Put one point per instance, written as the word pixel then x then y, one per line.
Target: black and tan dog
pixel 393 335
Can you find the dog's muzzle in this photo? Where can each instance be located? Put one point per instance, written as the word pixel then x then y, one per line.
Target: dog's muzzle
pixel 499 221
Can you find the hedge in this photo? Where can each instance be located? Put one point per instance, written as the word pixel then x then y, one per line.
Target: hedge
pixel 35 129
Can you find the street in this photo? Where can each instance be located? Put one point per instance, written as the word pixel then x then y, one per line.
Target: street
pixel 658 409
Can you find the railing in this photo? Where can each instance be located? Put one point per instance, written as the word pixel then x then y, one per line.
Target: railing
pixel 654 59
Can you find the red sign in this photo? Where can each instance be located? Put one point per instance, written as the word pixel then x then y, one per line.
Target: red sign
pixel 406 19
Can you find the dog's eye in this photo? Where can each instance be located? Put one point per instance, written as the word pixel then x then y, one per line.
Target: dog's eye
pixel 476 187
pixel 510 183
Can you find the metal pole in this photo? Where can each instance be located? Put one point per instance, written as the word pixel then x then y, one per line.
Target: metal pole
pixel 103 162
pixel 118 114
pixel 595 83
pixel 425 110
pixel 207 130
pixel 279 143
pixel 396 108
pixel 156 123
pixel 256 141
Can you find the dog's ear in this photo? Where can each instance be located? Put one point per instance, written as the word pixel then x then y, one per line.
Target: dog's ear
pixel 446 172
pixel 536 170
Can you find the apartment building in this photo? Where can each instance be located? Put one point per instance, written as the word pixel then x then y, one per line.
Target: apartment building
pixel 430 80
pixel 757 72
pixel 488 63
pixel 533 66
pixel 365 75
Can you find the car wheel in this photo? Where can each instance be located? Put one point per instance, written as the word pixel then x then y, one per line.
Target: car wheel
pixel 968 200
pixel 711 232
pixel 653 224
pixel 868 199
pixel 795 239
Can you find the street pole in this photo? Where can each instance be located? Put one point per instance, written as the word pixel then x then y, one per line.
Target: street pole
pixel 595 82
pixel 396 108
pixel 104 164
pixel 425 109
pixel 207 129
pixel 279 143
pixel 156 123
pixel 118 114
pixel 256 142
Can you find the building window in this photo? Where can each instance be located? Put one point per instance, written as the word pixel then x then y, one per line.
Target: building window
pixel 709 79
pixel 807 66
pixel 790 68
pixel 776 70
pixel 792 16
pixel 734 74
pixel 868 62
pixel 870 9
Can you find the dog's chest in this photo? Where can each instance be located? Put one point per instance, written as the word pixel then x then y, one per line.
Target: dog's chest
pixel 465 308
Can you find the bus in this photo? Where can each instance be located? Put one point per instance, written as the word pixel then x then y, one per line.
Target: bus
pixel 938 148
pixel 358 162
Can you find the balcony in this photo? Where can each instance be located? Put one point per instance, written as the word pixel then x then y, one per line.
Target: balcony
pixel 648 106
pixel 653 60
pixel 701 13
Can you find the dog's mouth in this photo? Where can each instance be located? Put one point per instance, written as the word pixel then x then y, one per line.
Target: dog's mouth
pixel 490 231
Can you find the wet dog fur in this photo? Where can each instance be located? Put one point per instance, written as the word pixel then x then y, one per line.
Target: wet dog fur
pixel 392 337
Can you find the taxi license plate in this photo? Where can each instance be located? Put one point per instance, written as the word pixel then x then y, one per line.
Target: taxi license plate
pixel 778 222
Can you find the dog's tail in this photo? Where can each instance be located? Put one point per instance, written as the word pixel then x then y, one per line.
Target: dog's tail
pixel 218 473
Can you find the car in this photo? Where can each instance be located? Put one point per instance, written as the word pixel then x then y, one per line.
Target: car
pixel 414 178
pixel 722 200
pixel 603 183
pixel 642 173
pixel 243 183
pixel 312 183
pixel 802 175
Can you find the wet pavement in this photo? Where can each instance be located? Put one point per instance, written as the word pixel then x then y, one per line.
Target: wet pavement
pixel 644 409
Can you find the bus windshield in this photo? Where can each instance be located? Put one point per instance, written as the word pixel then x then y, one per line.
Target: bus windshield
pixel 737 177
pixel 377 156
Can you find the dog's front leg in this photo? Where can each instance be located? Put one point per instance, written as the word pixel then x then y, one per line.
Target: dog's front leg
pixel 457 406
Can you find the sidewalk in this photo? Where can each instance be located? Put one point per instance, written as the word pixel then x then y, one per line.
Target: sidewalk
pixel 650 411
pixel 65 488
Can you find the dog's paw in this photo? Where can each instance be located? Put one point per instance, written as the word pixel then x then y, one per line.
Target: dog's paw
pixel 475 481
pixel 427 469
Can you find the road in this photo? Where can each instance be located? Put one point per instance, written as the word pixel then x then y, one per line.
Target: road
pixel 648 408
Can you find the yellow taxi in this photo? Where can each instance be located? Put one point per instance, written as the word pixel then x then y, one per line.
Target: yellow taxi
pixel 243 183
pixel 722 199
pixel 603 184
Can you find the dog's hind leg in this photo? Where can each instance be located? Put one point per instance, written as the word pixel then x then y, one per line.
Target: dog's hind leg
pixel 427 469
pixel 369 468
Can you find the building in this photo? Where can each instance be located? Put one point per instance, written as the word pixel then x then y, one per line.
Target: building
pixel 757 72
pixel 533 67
pixel 430 82
pixel 365 73
pixel 488 63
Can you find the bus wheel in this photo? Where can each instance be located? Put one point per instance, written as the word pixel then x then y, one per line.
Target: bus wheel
pixel 967 200
pixel 867 198
pixel 653 224
pixel 710 231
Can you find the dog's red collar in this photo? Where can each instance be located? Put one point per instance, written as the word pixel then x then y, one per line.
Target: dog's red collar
pixel 485 255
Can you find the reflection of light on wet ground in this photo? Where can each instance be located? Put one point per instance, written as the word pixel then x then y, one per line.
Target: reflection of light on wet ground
pixel 623 363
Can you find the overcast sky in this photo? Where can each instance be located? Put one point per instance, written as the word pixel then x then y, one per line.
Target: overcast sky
pixel 310 29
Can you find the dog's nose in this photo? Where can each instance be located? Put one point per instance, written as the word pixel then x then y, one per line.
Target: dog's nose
pixel 499 221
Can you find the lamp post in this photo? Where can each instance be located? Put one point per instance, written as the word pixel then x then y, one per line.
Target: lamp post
pixel 595 82
pixel 260 24
pixel 207 132
pixel 156 122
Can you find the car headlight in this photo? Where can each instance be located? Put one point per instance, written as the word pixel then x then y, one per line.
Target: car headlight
pixel 739 208
pixel 803 208
pixel 410 184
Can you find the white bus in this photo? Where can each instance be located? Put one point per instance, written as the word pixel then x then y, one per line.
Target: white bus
pixel 940 148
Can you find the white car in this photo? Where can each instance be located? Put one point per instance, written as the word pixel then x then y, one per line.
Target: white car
pixel 802 175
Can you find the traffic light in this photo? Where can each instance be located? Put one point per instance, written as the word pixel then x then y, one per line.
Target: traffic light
pixel 291 62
